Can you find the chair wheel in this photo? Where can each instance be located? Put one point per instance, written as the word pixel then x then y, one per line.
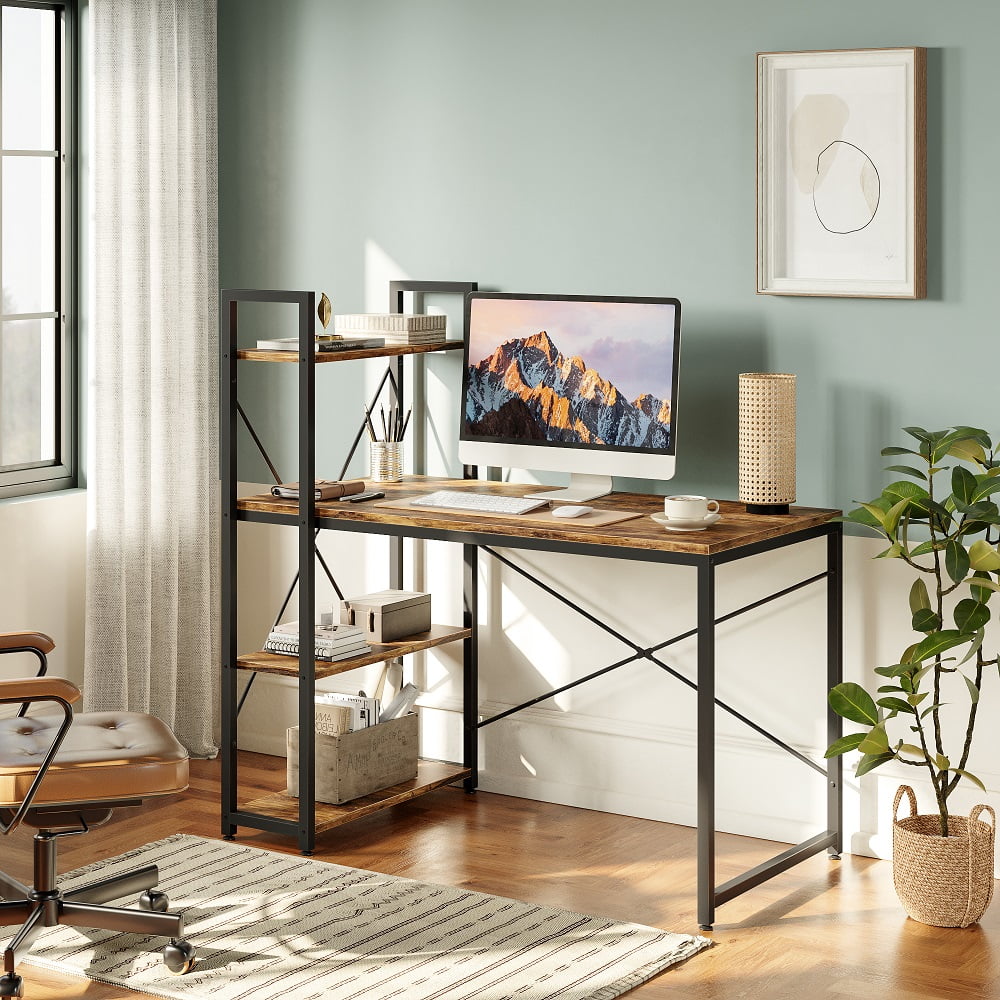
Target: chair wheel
pixel 10 985
pixel 153 899
pixel 179 957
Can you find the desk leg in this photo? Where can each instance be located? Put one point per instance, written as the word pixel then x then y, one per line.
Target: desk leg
pixel 834 675
pixel 706 745
pixel 470 660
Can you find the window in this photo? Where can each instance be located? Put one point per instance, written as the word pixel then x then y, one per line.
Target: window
pixel 37 256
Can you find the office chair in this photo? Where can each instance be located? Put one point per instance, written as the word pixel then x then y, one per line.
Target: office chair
pixel 62 774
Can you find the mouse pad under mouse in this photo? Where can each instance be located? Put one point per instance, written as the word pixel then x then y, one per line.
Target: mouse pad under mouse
pixel 596 518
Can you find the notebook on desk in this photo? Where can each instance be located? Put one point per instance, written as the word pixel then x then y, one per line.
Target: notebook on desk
pixel 595 519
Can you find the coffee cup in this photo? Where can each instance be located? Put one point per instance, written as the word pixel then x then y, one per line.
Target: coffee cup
pixel 689 508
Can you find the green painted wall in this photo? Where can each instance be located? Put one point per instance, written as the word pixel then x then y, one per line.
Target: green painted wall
pixel 607 147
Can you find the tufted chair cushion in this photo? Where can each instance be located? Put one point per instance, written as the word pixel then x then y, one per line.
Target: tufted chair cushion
pixel 106 757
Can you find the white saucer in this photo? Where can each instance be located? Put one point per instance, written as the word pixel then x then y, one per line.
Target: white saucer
pixel 685 524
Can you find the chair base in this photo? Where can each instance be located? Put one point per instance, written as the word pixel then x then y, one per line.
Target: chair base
pixel 46 906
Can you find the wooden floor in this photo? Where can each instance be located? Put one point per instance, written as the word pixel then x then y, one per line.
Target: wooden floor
pixel 824 929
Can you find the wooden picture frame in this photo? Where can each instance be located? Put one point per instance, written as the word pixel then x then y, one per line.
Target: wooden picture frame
pixel 841 173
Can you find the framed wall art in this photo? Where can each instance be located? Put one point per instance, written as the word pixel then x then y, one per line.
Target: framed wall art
pixel 841 173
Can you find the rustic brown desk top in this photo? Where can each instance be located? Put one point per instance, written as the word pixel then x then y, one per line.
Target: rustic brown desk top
pixel 735 529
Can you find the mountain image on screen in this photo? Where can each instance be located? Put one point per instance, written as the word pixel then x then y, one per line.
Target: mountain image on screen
pixel 528 390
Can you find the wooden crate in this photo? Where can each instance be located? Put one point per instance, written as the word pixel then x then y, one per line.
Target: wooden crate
pixel 359 763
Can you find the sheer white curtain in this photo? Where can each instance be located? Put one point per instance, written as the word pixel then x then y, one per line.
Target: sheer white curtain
pixel 152 558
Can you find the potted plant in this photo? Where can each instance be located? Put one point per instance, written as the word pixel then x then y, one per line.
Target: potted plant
pixel 942 863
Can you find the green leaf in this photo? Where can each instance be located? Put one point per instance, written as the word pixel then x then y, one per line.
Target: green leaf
pixel 893 552
pixel 850 742
pixel 904 490
pixel 982 556
pixel 919 433
pixel 909 748
pixel 977 641
pixel 916 699
pixel 854 703
pixel 968 451
pixel 870 761
pixel 973 690
pixel 930 708
pixel 926 620
pixel 963 484
pixel 877 513
pixel 982 586
pixel 919 598
pixel 876 741
pixel 897 705
pixel 941 762
pixel 956 560
pixel 937 642
pixel 985 486
pixel 907 470
pixel 970 776
pixel 971 615
pixel 896 450
pixel 929 546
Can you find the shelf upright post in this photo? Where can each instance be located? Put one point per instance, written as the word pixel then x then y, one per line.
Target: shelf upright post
pixel 470 661
pixel 706 744
pixel 834 675
pixel 307 571
pixel 227 473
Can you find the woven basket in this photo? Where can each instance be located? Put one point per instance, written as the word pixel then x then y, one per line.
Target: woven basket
pixel 942 881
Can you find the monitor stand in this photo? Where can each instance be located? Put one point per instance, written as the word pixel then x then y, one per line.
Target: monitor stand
pixel 581 489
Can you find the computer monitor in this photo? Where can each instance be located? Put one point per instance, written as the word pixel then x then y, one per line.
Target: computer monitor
pixel 571 383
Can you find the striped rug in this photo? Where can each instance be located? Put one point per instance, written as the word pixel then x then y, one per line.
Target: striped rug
pixel 269 925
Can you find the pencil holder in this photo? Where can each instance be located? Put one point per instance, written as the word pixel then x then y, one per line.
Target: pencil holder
pixel 386 461
pixel 767 442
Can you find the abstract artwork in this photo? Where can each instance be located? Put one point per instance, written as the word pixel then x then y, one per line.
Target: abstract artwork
pixel 841 177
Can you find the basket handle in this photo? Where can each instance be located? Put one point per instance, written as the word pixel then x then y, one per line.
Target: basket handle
pixel 977 811
pixel 899 796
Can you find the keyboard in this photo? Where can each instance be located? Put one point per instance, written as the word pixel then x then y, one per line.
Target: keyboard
pixel 480 503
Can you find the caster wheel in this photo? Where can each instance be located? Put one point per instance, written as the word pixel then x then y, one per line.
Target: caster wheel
pixel 153 899
pixel 179 957
pixel 10 985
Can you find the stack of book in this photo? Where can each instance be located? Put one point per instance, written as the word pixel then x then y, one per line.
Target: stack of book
pixel 325 343
pixel 394 328
pixel 333 642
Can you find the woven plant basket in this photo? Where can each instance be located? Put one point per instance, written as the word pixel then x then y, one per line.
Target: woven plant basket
pixel 942 881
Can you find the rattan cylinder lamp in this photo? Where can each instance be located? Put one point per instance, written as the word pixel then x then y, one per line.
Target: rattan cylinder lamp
pixel 767 442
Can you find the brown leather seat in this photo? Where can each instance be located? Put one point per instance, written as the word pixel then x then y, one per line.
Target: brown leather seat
pixel 62 773
pixel 106 756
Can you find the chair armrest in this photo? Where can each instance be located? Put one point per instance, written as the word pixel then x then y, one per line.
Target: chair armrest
pixel 19 642
pixel 31 689
pixel 38 689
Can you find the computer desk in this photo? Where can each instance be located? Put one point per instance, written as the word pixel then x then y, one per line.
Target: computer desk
pixel 736 536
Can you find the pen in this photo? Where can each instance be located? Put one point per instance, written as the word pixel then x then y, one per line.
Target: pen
pixel 368 422
pixel 406 423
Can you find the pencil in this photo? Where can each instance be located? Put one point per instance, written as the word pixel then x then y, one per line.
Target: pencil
pixel 406 423
pixel 368 423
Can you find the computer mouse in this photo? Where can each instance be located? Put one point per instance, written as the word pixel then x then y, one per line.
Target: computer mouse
pixel 572 510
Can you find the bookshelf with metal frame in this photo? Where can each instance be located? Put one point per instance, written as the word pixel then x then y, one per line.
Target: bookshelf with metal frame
pixel 302 817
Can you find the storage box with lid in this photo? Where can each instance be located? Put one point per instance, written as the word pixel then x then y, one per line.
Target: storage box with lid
pixel 358 763
pixel 389 614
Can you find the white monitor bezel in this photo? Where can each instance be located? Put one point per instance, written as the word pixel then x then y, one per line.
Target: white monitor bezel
pixel 562 457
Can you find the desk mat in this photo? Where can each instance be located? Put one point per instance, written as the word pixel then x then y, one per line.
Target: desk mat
pixel 595 519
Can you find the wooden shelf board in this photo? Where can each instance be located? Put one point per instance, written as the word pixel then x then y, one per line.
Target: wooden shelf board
pixel 431 774
pixel 276 663
pixel 389 351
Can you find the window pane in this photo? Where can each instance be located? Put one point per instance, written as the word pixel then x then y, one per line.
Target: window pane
pixel 28 78
pixel 29 237
pixel 27 391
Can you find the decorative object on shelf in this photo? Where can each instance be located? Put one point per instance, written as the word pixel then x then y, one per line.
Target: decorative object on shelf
pixel 950 537
pixel 942 881
pixel 767 442
pixel 396 328
pixel 324 310
pixel 358 763
pixel 841 173
pixel 388 615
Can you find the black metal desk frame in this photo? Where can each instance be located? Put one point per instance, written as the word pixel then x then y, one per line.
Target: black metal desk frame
pixel 473 542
